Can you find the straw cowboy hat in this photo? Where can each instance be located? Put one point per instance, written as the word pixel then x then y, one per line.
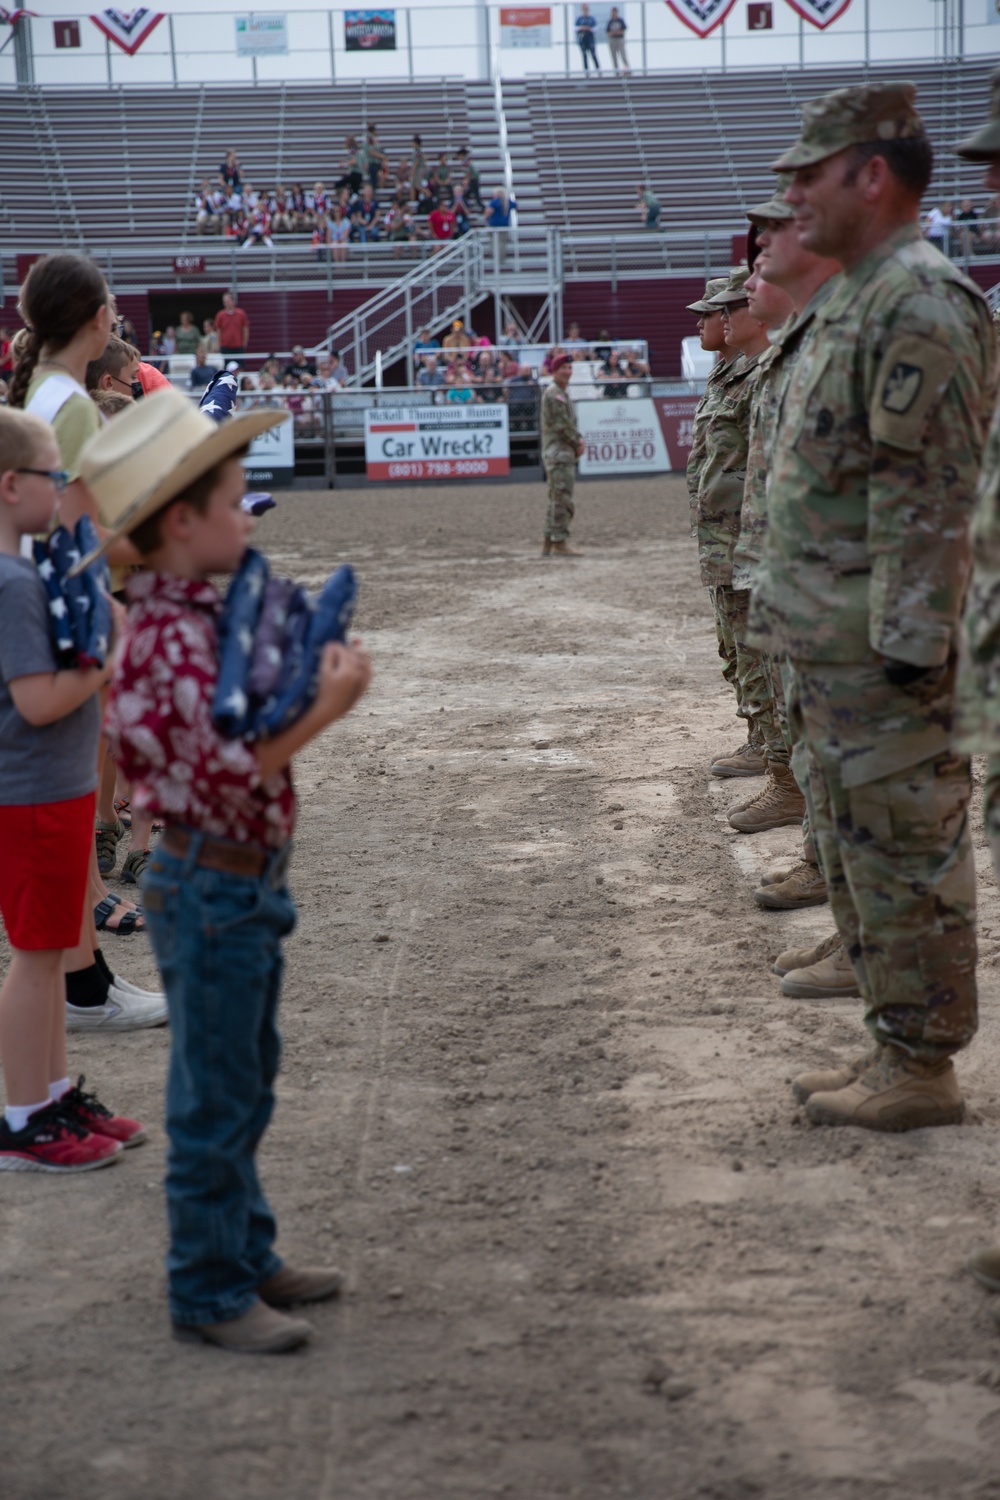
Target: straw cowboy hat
pixel 153 451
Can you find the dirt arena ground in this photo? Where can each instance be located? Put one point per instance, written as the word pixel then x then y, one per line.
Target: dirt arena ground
pixel 534 1099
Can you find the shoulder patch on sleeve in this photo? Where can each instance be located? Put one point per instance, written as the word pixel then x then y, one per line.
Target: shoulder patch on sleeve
pixel 911 378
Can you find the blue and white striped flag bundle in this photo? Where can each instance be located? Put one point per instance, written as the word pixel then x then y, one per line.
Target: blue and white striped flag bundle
pixel 219 402
pixel 79 608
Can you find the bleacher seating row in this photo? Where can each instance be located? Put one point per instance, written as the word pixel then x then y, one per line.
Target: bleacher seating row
pixel 113 167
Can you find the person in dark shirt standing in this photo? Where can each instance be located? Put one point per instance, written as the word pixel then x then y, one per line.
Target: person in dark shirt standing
pixel 586 28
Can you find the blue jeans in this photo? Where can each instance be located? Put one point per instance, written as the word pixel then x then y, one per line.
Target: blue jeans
pixel 217 940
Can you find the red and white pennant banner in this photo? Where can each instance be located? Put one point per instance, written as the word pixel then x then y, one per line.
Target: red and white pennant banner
pixel 128 29
pixel 821 13
pixel 703 16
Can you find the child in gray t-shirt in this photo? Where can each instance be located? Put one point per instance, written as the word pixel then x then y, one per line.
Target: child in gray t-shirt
pixel 49 728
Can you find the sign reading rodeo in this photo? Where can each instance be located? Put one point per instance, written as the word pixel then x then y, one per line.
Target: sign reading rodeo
pixel 436 442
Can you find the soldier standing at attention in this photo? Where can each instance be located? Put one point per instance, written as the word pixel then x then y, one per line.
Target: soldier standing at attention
pixel 979 679
pixel 720 498
pixel 562 445
pixel 865 567
pixel 712 337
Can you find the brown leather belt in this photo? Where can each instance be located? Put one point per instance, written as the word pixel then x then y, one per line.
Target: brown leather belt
pixel 218 854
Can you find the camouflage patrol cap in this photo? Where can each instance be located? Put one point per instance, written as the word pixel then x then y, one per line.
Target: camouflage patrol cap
pixel 984 144
pixel 735 289
pixel 853 117
pixel 775 207
pixel 716 284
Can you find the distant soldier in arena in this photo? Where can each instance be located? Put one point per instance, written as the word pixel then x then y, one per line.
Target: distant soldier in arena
pixel 866 564
pixel 720 497
pixel 562 446
pixel 979 679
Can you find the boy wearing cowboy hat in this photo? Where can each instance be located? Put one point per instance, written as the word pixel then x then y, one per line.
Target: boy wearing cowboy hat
pixel 215 897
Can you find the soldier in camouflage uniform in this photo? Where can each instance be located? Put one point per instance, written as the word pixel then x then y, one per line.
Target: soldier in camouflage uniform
pixel 561 447
pixel 807 280
pixel 979 672
pixel 720 496
pixel 865 566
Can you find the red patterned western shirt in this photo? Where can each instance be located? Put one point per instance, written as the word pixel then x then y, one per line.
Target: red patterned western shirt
pixel 159 721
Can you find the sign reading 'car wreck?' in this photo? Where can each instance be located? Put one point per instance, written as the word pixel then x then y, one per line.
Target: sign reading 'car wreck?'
pixel 436 442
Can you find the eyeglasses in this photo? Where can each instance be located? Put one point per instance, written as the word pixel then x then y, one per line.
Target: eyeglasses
pixel 59 477
pixel 732 307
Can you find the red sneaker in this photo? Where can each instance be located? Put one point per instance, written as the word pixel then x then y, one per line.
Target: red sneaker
pixel 88 1111
pixel 52 1142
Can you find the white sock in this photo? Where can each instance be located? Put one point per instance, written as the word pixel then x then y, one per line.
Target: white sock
pixel 18 1115
pixel 57 1089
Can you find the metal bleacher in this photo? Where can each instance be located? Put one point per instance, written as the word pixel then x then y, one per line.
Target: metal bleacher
pixel 703 141
pixel 120 166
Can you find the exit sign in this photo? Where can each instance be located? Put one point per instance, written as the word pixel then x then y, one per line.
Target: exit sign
pixel 189 265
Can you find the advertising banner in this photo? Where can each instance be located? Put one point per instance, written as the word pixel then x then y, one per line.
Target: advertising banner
pixel 525 26
pixel 259 35
pixel 369 30
pixel 819 13
pixel 271 459
pixel 676 414
pixel 622 437
pixel 436 442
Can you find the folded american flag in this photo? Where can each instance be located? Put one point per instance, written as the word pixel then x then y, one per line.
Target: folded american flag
pixel 218 403
pixel 79 608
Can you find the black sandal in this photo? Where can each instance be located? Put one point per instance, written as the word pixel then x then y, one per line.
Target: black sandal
pixel 128 922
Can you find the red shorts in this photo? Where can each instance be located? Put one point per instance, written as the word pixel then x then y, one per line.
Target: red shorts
pixel 44 867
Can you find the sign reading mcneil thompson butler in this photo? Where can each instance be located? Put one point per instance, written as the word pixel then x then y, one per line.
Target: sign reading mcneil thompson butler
pixel 436 442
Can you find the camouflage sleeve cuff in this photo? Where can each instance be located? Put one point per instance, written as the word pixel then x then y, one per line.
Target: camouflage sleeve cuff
pixel 921 643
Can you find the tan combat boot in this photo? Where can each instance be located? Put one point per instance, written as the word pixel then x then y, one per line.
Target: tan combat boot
pixel 563 549
pixel 748 760
pixel 985 1267
pixel 833 978
pixel 546 546
pixel 260 1330
pixel 830 1080
pixel 778 803
pixel 803 886
pixel 803 958
pixel 895 1092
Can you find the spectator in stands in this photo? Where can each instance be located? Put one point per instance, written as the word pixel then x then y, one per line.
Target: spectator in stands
pixel 259 229
pixel 209 203
pixel 424 342
pixel 377 159
pixel 937 226
pixel 298 211
pixel 157 353
pixel 429 376
pixel 459 384
pixel 603 346
pixel 586 34
pixel 441 221
pixel 574 344
pixel 556 352
pixel 418 166
pixel 209 337
pixel 299 364
pixel 188 338
pixel 637 366
pixel 470 177
pixel 522 399
pixel 613 377
pixel 229 173
pixel 487 377
pixel 648 206
pixel 615 32
pixel 249 197
pixel 168 343
pixel 338 369
pixel 327 378
pixel 460 337
pixel 509 340
pixel 340 232
pixel 322 238
pixel 351 174
pixel 462 221
pixel 399 225
pixel 279 207
pixel 201 373
pixel 233 327
pixel 969 229
pixel 439 180
pixel 497 217
pixel 317 201
pixel 366 217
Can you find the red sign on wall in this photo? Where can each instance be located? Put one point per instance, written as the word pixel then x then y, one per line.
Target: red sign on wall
pixel 760 17
pixel 189 265
pixel 66 33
